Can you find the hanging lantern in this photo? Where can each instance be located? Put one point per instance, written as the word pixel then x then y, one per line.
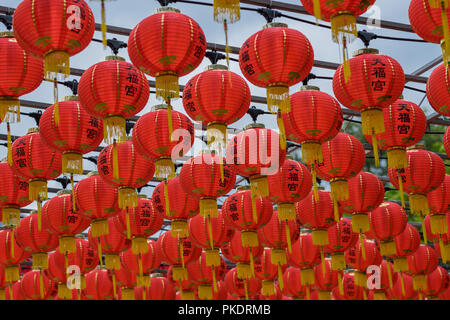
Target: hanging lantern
pixel 241 288
pixel 25 73
pixel 34 161
pixel 186 288
pixel 126 280
pixel 123 167
pixel 445 295
pixel 103 25
pixel 351 291
pixel 221 294
pixel 276 58
pixel 54 31
pixel 139 223
pixel 343 158
pixel 437 282
pixel 317 215
pixel 267 272
pixel 202 177
pixel 160 288
pixel 421 263
pixel 290 184
pixel 167 45
pixel 441 241
pixel 175 205
pixel 384 79
pixel 387 221
pixel 244 257
pixel 406 244
pixel 387 278
pixel 403 288
pixel 59 218
pixel 11 255
pixel 293 284
pixel 340 239
pixel 425 172
pixel 315 118
pixel 99 285
pixel 210 234
pixel 405 124
pixel 35 285
pixel 206 276
pixel 447 141
pixel 153 137
pixel 429 19
pixel 326 279
pixel 39 243
pixel 437 90
pixel 13 195
pixel 342 15
pixel 256 154
pixel 113 90
pixel 57 272
pixel 216 98
pixel 305 255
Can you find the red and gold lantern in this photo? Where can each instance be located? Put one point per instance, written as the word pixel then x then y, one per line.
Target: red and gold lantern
pixel 406 244
pixel 423 262
pixel 35 285
pixel 99 285
pixel 241 288
pixel 305 255
pixel 11 255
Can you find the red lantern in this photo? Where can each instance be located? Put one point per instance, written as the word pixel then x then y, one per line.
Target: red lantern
pixel 14 194
pixel 387 221
pixel 96 200
pixel 316 214
pixel 99 285
pixel 113 90
pixel 36 286
pixel 445 295
pixel 403 288
pixel 186 287
pixel 326 279
pixel 406 244
pixel 174 204
pixel 351 291
pixel 221 293
pixel 167 45
pixel 267 272
pixel 425 172
pixel 54 31
pixel 126 280
pixel 57 272
pixel 59 218
pixel 442 240
pixel 36 162
pixel 246 214
pixel 153 136
pixel 242 288
pixel 39 243
pixel 25 73
pixel 387 277
pixel 343 158
pixel 384 79
pixel 276 58
pixel 447 141
pixel 340 239
pixel 123 167
pixel 437 282
pixel 139 223
pixel 216 98
pixel 210 234
pixel 160 289
pixel 290 184
pixel 75 134
pixel 437 90
pixel 423 262
pixel 405 124
pixel 305 255
pixel 207 177
pixel 11 255
pixel 85 256
pixel 294 288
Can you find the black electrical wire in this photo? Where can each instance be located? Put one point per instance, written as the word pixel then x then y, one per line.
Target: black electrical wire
pixel 415 89
pixel 400 39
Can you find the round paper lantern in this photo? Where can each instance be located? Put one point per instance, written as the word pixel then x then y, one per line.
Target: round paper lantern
pixel 158 134
pixel 11 255
pixel 276 58
pixel 216 98
pixel 382 279
pixel 340 239
pixel 441 240
pixel 54 31
pixel 139 223
pixel 256 154
pixel 14 194
pixel 210 234
pixel 305 255
pixel 351 291
pixel 267 272
pixel 247 214
pixel 113 90
pixel 167 45
pixel 186 288
pixel 405 124
pixel 174 204
pixel 315 118
pixel 36 162
pixel 367 192
pixel 437 282
pixel 59 218
pixel 403 288
pixel 293 284
pixel 387 221
pixel 406 244
pixel 425 172
pixel 290 184
pixel 384 79
pixel 160 289
pixel 123 167
pixel 447 141
pixel 35 285
pixel 96 200
pixel 25 73
pixel 57 272
pixel 207 177
pixel 99 285
pixel 126 280
pixel 343 158
pixel 438 90
pixel 422 262
pixel 326 279
pixel 242 288
pixel 39 243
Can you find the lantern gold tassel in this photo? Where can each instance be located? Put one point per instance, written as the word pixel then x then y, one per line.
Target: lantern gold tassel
pixel 56 62
pixel 167 85
pixel 72 163
pixel 286 211
pixel 100 254
pixel 212 257
pixel 40 260
pixel 278 98
pixel 139 245
pixel 322 261
pixel 418 204
pixel 9 144
pixel 388 248
pixel 288 237
pixel 187 295
pixel 419 282
pixel 227 10
pixel 252 263
pixel 74 206
pixel 375 149
pixel 360 222
pixel 345 57
pixel 9 109
pixel 115 161
pixel 254 212
pixel 372 122
pixel 379 295
pixel 402 283
pixel 13 242
pixel 127 218
pixel 280 122
pixel 208 207
pixel 317 9
pixel 41 284
pixel 243 271
pixel 308 293
pixel 112 261
pixel 249 238
pixel 216 132
pixel 205 292
pixel 280 277
pixel 99 227
pixel 12 273
pixel 245 289
pixel 388 267
pixel 443 249
pixel 127 198
pixel 181 253
pixel 114 129
pixel 424 230
pixel 164 168
pixel 214 281
pixel 401 264
pixel 336 210
pixel 179 273
pixel 259 186
pixel 339 189
pixel 307 276
pixel 438 224
pixel 64 292
pixel 267 288
pixel 311 152
pixel 67 244
pixel 363 246
pixel 320 237
pixel 344 31
pixel 179 228
pixel 169 119
pixel 324 295
pixel 338 262
pixel 11 216
pixel 140 281
pixel 39 213
pixel 340 284
pixel 37 190
pixel 104 28
pixel 400 188
pixel 397 158
pixel 314 183
pixel 114 284
pixel 361 279
pixel 56 105
pixel 443 5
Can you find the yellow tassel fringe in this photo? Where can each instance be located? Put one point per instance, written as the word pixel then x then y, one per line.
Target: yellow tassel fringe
pixel 40 260
pixel 167 86
pixel 56 65
pixel 372 121
pixel 139 245
pixel 397 158
pixel 278 98
pixel 164 168
pixel 9 109
pixel 112 261
pixel 114 129
pixel 179 229
pixel 227 10
pixel 72 163
pixel 127 198
pixel 208 207
pixel 249 238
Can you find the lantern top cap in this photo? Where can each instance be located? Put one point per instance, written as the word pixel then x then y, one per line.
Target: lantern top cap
pixel 162 106
pixel 6 34
pixel 366 51
pixel 254 125
pixel 156 275
pixel 275 25
pixel 63 191
pixel 71 98
pixel 417 146
pixel 111 58
pixel 33 130
pixel 243 188
pixel 167 9
pixel 142 196
pixel 92 173
pixel 216 67
pixel 309 88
